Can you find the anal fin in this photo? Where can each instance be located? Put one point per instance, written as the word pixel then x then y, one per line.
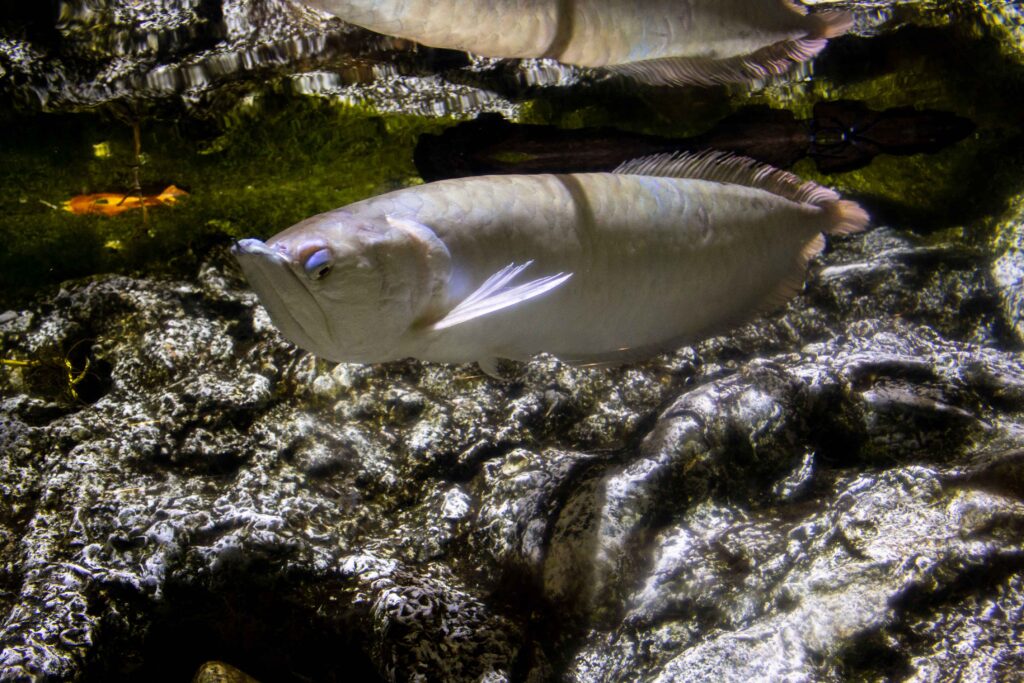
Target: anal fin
pixel 501 369
pixel 765 63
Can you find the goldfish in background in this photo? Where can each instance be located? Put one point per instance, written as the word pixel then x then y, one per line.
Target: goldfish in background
pixel 113 204
pixel 590 267
pixel 660 42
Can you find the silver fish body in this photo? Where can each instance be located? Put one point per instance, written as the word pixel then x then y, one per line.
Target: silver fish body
pixel 600 267
pixel 657 41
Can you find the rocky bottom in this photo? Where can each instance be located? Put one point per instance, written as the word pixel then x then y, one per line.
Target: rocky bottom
pixel 831 493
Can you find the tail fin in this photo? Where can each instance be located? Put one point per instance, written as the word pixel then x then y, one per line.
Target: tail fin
pixel 828 25
pixel 845 217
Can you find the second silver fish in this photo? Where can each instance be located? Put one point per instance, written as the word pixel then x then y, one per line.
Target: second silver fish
pixel 655 41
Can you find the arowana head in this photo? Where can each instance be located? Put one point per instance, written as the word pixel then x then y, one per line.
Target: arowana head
pixel 345 286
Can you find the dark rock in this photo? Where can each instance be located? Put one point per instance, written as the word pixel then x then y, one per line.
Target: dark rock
pixel 1008 267
pixel 128 55
pixel 801 498
pixel 831 492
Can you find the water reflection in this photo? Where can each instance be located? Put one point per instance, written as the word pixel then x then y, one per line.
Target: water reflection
pixel 840 136
pixel 269 112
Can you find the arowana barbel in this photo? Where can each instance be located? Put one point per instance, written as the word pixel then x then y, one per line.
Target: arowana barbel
pixel 593 267
pixel 654 41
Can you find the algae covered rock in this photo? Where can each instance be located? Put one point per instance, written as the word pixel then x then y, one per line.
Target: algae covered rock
pixel 1008 266
pixel 833 492
pixel 799 498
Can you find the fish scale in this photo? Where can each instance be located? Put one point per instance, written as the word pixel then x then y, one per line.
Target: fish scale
pixel 655 41
pixel 598 267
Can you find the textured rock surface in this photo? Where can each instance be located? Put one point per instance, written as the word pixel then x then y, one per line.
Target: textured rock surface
pixel 1008 266
pixel 833 491
pixel 830 493
pixel 126 53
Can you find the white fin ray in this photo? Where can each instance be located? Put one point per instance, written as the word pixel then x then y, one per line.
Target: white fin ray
pixel 845 217
pixel 494 295
pixel 490 367
pixel 766 63
pixel 769 62
pixel 494 283
pixel 728 168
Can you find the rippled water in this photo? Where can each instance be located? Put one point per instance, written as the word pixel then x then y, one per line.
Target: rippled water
pixel 267 111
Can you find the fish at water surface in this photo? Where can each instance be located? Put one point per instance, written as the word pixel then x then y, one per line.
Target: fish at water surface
pixel 655 41
pixel 593 268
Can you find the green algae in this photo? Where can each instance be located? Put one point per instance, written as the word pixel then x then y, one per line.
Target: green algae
pixel 275 159
pixel 669 112
pixel 956 66
pixel 270 162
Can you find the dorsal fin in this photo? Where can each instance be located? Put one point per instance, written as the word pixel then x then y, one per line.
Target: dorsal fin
pixel 725 167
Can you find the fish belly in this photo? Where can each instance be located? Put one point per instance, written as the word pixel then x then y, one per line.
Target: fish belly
pixel 656 262
pixel 493 28
pixel 584 32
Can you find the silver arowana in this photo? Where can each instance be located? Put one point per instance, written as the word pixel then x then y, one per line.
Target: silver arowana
pixel 596 267
pixel 654 41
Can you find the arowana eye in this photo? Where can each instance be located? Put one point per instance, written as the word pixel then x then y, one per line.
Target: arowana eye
pixel 319 264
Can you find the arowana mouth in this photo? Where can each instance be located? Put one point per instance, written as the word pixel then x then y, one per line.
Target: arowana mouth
pixel 285 297
pixel 254 246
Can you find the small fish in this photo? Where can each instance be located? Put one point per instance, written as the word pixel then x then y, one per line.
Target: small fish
pixel 660 42
pixel 112 204
pixel 592 267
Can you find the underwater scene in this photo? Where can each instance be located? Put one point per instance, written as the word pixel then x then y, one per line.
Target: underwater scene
pixel 547 340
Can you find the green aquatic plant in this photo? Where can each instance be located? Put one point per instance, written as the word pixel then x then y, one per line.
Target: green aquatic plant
pixel 273 158
pixel 57 375
pixel 267 163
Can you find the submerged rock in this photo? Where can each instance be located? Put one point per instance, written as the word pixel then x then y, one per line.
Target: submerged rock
pixel 124 54
pixel 1008 265
pixel 813 499
pixel 833 490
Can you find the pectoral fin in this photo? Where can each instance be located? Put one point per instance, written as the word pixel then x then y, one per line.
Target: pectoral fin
pixel 494 295
pixel 490 368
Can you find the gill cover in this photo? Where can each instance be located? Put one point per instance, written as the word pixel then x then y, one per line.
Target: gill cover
pixel 368 280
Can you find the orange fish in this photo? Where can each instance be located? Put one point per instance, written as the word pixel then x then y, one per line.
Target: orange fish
pixel 112 204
